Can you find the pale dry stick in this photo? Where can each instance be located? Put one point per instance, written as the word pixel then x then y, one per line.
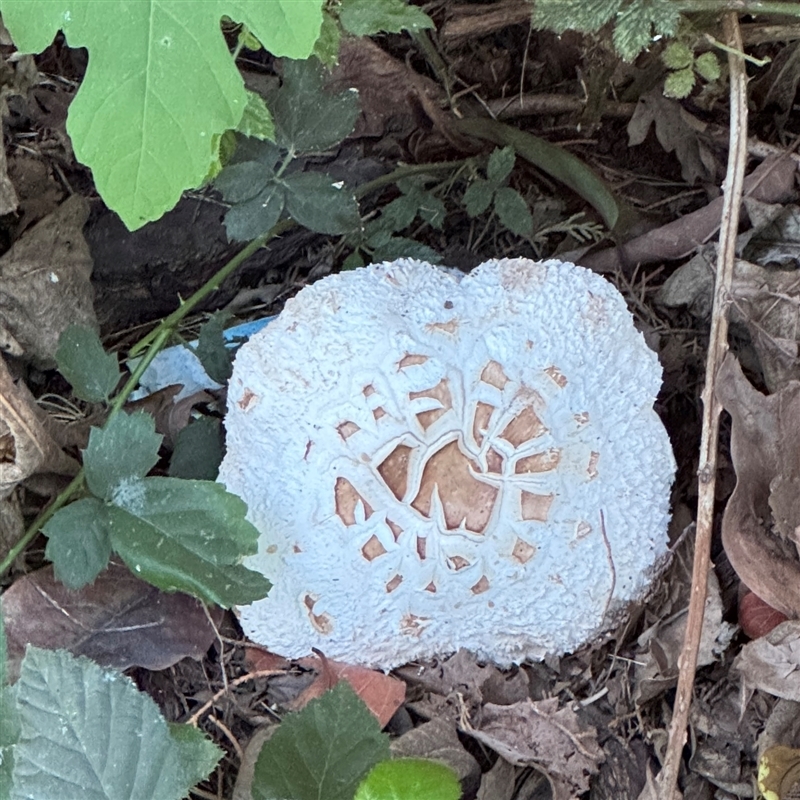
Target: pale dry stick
pixel 259 673
pixel 718 345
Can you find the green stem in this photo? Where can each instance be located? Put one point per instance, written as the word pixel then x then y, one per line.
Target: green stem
pixel 66 494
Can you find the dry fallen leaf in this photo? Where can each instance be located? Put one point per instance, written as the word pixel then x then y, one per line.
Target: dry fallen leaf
pixel 762 515
pixel 539 734
pixel 119 620
pixel 45 282
pixel 772 663
pixel 438 740
pixel 382 694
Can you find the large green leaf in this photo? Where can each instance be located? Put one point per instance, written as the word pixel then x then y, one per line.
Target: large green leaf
pixel 410 779
pixel 88 734
pixel 365 17
pixel 199 448
pixel 186 536
pixel 211 349
pixel 160 85
pixel 78 542
pixel 322 751
pixel 82 360
pixel 126 448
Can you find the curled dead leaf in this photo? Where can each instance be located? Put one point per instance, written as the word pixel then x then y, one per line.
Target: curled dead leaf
pixel 759 526
pixel 540 734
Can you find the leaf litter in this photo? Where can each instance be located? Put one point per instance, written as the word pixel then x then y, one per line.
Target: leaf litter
pixel 604 710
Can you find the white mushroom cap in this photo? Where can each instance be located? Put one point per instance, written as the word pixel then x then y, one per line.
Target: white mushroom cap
pixel 437 462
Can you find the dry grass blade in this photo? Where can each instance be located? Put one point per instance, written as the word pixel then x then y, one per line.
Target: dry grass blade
pixel 718 346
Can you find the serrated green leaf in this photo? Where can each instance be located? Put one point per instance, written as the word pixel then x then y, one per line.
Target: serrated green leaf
pixel 677 55
pixel 425 204
pixel 478 197
pixel 432 210
pixel 126 448
pixel 78 542
pixel 81 359
pixel 256 120
pixel 198 451
pixel 320 204
pixel 9 736
pixel 513 212
pixel 707 66
pixel 679 84
pixel 639 21
pixel 326 48
pixel 211 349
pixel 195 752
pixel 409 779
pixel 551 159
pixel 87 733
pixel 187 536
pixel 250 219
pixel 243 181
pixel 401 247
pixel 586 16
pixel 398 214
pixel 160 85
pixel 501 162
pixel 323 751
pixel 366 17
pixel 353 261
pixel 307 118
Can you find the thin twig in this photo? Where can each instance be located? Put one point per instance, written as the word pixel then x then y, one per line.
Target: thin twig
pixel 718 345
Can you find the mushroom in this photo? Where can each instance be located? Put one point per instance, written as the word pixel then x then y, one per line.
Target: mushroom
pixel 437 462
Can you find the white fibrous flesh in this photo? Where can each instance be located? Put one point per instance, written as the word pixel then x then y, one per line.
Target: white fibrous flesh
pixel 437 462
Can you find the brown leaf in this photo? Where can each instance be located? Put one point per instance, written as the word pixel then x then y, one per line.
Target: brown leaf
pixel 438 740
pixel 772 663
pixel 765 447
pixel 25 445
pixel 45 280
pixel 539 734
pixel 382 694
pixel 756 617
pixel 119 621
pixel 499 783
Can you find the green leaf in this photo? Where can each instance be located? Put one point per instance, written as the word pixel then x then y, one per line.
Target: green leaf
pixel 679 84
pixel 256 120
pixel 365 17
pixel 586 16
pixel 401 247
pixel 307 118
pixel 513 212
pixel 211 350
pixel 397 215
pixel 551 159
pixel 353 261
pixel 707 66
pixel 677 55
pixel 478 197
pixel 250 219
pixel 81 359
pixel 317 202
pixel 78 542
pixel 126 448
pixel 243 181
pixel 160 85
pixel 410 779
pixel 322 751
pixel 9 721
pixel 198 451
pixel 187 536
pixel 501 162
pixel 326 48
pixel 637 23
pixel 9 736
pixel 86 732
